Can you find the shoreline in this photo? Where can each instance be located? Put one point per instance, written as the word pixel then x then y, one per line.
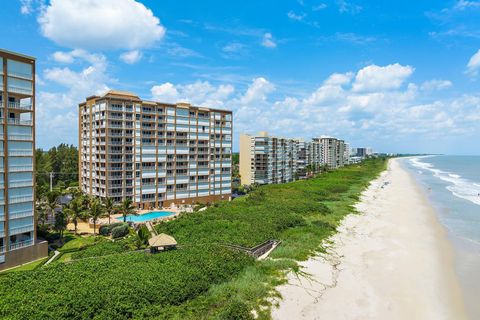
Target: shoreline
pixel 391 261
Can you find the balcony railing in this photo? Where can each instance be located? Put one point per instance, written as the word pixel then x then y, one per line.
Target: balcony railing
pixel 18 121
pixel 19 168
pixel 21 244
pixel 24 152
pixel 12 199
pixel 20 214
pixel 18 105
pixel 22 137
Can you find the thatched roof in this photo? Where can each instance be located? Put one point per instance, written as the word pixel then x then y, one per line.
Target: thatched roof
pixel 162 240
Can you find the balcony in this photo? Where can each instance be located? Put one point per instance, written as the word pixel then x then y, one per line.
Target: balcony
pixel 20 199
pixel 2 249
pixel 22 244
pixel 18 168
pixel 20 152
pixel 18 121
pixel 18 106
pixel 20 137
pixel 20 214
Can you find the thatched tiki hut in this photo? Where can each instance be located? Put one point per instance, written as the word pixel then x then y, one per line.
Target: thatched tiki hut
pixel 162 242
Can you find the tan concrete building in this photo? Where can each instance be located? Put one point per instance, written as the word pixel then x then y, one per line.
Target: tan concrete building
pixel 265 159
pixel 18 234
pixel 154 153
pixel 332 151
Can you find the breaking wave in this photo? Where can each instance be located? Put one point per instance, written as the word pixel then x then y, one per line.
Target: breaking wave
pixel 459 186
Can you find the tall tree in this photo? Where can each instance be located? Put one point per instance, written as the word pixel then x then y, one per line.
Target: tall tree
pixel 51 202
pixel 127 208
pixel 74 211
pixel 61 222
pixel 110 208
pixel 96 211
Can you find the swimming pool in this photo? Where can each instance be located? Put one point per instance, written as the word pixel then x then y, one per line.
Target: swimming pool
pixel 148 216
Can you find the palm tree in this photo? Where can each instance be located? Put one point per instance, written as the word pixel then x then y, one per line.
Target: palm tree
pixel 110 207
pixel 127 208
pixel 51 202
pixel 61 222
pixel 74 212
pixel 96 212
pixel 42 213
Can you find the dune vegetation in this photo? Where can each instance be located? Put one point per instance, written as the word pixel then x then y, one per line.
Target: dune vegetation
pixel 204 278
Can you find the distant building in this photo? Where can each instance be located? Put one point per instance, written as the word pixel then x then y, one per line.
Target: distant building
pixel 362 152
pixel 332 151
pixel 156 154
pixel 266 159
pixel 18 232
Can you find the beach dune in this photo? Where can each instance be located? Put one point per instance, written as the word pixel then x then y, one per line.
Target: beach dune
pixel 391 261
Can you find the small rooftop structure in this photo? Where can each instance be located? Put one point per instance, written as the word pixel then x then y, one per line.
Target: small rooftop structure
pixel 162 242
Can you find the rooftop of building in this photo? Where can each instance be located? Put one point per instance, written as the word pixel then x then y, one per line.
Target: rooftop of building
pixel 119 94
pixel 21 55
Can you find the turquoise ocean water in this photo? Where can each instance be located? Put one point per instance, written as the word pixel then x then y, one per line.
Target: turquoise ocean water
pixel 452 184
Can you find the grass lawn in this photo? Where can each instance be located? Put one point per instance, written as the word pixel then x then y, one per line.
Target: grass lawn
pixel 29 266
pixel 73 242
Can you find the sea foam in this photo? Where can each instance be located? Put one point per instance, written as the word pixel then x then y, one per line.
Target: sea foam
pixel 459 186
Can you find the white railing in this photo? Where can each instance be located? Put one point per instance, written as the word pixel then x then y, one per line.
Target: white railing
pixel 19 215
pixel 17 184
pixel 19 168
pixel 2 249
pixel 21 244
pixel 20 199
pixel 25 137
pixel 25 152
pixel 17 105
pixel 18 121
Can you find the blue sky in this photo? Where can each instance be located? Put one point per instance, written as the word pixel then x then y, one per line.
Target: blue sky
pixel 399 76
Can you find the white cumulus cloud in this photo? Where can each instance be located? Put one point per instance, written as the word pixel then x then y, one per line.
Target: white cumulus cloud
pixel 131 57
pixel 100 25
pixel 374 77
pixel 436 84
pixel 201 93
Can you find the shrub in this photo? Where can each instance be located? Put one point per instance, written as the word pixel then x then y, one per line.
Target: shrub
pixel 236 310
pixel 143 234
pixel 120 231
pixel 107 230
pixel 104 230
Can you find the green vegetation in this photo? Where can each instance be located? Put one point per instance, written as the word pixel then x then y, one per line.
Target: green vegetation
pixel 203 279
pixel 63 161
pixel 73 242
pixel 27 267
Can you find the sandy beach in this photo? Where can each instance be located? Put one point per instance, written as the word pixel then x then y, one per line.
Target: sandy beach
pixel 391 261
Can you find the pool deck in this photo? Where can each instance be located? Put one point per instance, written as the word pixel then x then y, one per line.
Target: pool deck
pixel 176 211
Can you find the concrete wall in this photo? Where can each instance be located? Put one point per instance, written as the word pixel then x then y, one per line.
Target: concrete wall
pixel 21 256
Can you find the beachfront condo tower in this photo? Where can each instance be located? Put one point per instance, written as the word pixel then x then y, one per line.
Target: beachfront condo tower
pixel 266 159
pixel 156 154
pixel 333 151
pixel 18 242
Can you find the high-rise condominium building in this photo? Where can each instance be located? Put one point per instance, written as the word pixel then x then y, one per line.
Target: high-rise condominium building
pixel 18 242
pixel 156 154
pixel 333 151
pixel 265 159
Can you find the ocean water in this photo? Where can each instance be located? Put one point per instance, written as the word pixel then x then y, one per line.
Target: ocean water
pixel 452 184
